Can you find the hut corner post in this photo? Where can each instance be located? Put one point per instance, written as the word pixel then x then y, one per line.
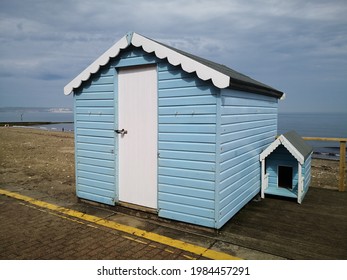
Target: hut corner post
pixel 342 186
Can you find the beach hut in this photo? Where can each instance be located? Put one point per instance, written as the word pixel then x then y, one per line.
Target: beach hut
pixel 286 167
pixel 159 128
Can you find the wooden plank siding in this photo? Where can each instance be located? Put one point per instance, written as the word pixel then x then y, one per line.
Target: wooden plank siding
pixel 248 125
pixel 187 145
pixel 95 108
pixel 94 138
pixel 209 141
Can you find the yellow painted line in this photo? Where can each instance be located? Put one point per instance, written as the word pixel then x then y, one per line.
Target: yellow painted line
pixel 195 249
pixel 189 258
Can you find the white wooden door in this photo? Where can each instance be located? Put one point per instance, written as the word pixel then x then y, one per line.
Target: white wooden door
pixel 137 150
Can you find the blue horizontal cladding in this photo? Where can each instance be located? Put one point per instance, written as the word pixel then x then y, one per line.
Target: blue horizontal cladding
pixel 236 188
pixel 133 56
pixel 243 196
pixel 248 126
pixel 98 83
pixel 94 137
pixel 186 191
pixel 183 83
pixel 188 110
pixel 94 111
pixel 97 191
pixel 230 120
pixel 95 155
pixel 95 140
pixel 100 117
pixel 94 88
pixel 190 119
pixel 187 90
pixel 192 201
pixel 187 173
pixel 170 72
pixel 96 147
pixel 187 155
pixel 232 162
pixel 95 103
pixel 187 137
pixel 249 132
pixel 241 146
pixel 96 176
pixel 94 132
pixel 244 126
pixel 187 145
pixel 231 177
pixel 95 162
pixel 96 95
pixel 185 101
pixel 104 78
pixel 187 164
pixel 237 110
pixel 242 100
pixel 95 184
pixel 96 169
pixel 178 206
pixel 95 125
pixel 85 194
pixel 188 128
pixel 186 182
pixel 186 217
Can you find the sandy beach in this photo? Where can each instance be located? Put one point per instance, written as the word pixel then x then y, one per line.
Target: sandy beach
pixel 44 160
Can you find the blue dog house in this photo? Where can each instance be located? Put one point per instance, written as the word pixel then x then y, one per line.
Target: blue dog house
pixel 286 167
pixel 159 128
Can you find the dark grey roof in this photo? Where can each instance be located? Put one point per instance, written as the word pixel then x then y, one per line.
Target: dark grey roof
pixel 298 143
pixel 237 80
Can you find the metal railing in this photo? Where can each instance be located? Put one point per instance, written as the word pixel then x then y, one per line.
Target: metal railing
pixel 342 185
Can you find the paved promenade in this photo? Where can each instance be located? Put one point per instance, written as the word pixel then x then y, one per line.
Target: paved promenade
pixel 33 229
pixel 37 225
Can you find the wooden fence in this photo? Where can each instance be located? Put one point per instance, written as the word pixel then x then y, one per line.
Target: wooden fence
pixel 342 185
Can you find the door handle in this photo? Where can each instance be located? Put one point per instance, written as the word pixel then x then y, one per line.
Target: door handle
pixel 121 131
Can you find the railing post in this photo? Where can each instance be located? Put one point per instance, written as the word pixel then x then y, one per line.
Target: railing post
pixel 342 186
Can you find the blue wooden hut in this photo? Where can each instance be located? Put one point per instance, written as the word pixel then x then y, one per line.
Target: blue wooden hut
pixel 286 167
pixel 160 128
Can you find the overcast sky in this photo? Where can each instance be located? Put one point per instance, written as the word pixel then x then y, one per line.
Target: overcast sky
pixel 296 46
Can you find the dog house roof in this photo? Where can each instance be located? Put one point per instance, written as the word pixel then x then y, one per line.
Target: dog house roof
pixel 293 143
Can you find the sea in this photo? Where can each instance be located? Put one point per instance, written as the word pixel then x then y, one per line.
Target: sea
pixel 331 125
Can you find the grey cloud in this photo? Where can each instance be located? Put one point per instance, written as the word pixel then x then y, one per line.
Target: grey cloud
pixel 282 43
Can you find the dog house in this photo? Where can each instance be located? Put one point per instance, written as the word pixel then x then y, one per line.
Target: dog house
pixel 286 167
pixel 159 128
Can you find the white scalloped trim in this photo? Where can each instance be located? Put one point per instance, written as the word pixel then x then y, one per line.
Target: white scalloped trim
pixel 270 149
pixel 95 66
pixel 284 141
pixel 189 65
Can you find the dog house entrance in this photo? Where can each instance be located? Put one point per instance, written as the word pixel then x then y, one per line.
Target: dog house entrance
pixel 285 177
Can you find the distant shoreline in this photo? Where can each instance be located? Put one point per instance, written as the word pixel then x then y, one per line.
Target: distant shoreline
pixel 29 123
